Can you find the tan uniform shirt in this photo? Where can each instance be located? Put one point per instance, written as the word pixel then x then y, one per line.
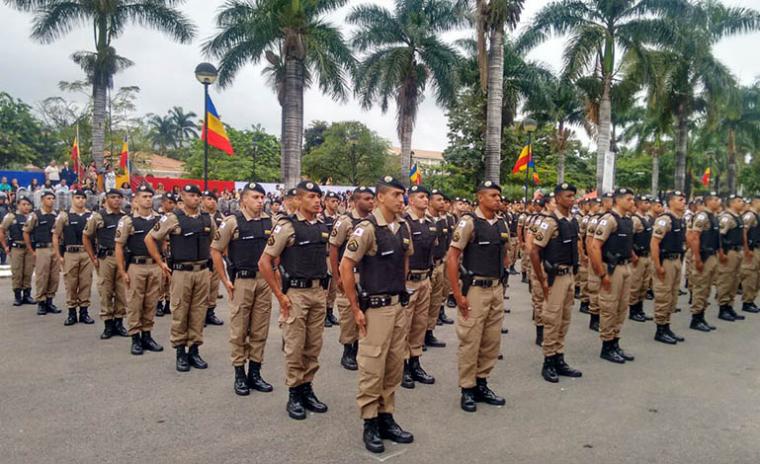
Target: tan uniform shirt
pixel 700 223
pixel 607 225
pixel 548 229
pixel 728 222
pixel 342 229
pixel 228 231
pixel 62 219
pixel 31 221
pixel 125 228
pixel 749 218
pixel 362 241
pixel 8 220
pixel 283 236
pixel 662 226
pixel 96 222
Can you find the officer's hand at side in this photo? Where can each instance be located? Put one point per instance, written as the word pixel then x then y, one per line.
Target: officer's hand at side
pixel 125 276
pixel 361 322
pixel 699 265
pixel 165 269
pixel 95 264
pixel 464 306
pixel 723 258
pixel 748 255
pixel 606 284
pixel 7 249
pixel 230 289
pixel 545 288
pixel 660 272
pixel 60 260
pixel 285 305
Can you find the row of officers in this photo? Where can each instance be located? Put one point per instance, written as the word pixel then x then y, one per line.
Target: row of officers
pixel 387 268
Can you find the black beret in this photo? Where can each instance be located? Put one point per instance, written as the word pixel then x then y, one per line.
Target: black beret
pixel 291 193
pixel 608 195
pixel 675 193
pixel 487 184
pixel 191 188
pixel 619 192
pixel 595 200
pixel 711 194
pixel 364 189
pixel 309 186
pixel 210 194
pixel 419 189
pixel 438 192
pixel 48 193
pixel 565 187
pixel 115 192
pixel 390 181
pixel 655 200
pixel 148 189
pixel 734 196
pixel 254 187
pixel 20 199
pixel 78 193
pixel 169 196
pixel 466 201
pixel 331 195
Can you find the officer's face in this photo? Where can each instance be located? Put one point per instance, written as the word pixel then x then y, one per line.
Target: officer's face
pixel 209 204
pixel 565 198
pixel 24 207
pixel 677 204
pixel 77 201
pixel 331 203
pixel 419 200
pixel 392 199
pixel 657 208
pixel 191 199
pixel 645 206
pixel 712 203
pixel 275 207
pixel 625 203
pixel 47 201
pixel 489 199
pixel 437 203
pixel 113 202
pixel 143 200
pixel 365 203
pixel 737 204
pixel 253 201
pixel 310 202
pixel 168 206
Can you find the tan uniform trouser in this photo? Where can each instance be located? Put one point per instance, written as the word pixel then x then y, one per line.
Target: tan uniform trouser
pixel 213 289
pixel 480 334
pixel 728 277
pixel 302 334
pixel 641 273
pixel 47 274
pixel 142 295
pixel 189 295
pixel 751 276
pixel 525 261
pixel 593 292
pixel 250 311
pixel 381 360
pixel 613 303
pixel 437 294
pixel 536 298
pixel 700 284
pixel 583 281
pixel 666 291
pixel 349 331
pixel 22 267
pixel 77 278
pixel 557 313
pixel 513 250
pixel 688 262
pixel 112 290
pixel 417 316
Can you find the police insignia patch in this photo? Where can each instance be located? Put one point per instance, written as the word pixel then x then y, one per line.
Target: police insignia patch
pixel 334 232
pixel 539 236
pixel 456 236
pixel 118 233
pixel 217 235
pixel 270 242
pixel 353 245
pixel 157 226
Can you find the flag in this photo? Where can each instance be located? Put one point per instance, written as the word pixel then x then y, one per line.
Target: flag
pixel 524 160
pixel 706 177
pixel 124 155
pixel 536 180
pixel 415 177
pixel 216 136
pixel 75 151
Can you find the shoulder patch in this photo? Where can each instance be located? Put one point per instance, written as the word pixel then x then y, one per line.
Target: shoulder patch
pixel 277 228
pixel 539 236
pixel 662 222
pixel 603 222
pixel 358 232
pixel 270 242
pixel 353 245
pixel 457 236
pixel 164 218
pixel 157 226
pixel 118 233
pixel 544 226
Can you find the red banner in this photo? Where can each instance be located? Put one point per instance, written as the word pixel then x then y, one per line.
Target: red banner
pixel 170 182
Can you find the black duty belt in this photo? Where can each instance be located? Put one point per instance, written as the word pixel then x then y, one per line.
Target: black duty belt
pixel 418 276
pixel 378 301
pixel 642 254
pixel 105 252
pixel 671 256
pixel 564 271
pixel 141 260
pixel 437 262
pixel 246 274
pixel 37 246
pixel 304 283
pixel 18 245
pixel 189 267
pixel 485 283
pixel 74 248
pixel 732 248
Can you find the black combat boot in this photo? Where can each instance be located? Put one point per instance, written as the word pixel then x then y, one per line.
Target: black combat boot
pixel 704 321
pixel 697 324
pixel 549 369
pixel 593 322
pixel 672 334
pixel 42 308
pixel 583 307
pixel 746 307
pixel 450 301
pixel 406 378
pixel 483 394
pixel 255 381
pixel 577 294
pixel 524 278
pixel 663 336
pixel 609 353
pixel 310 400
pixel 51 307
pixel 539 335
pixel 211 317
pixel 737 317
pixel 295 404
pixel 390 430
pixel 623 354
pixel 241 386
pixel 433 342
pixel 118 327
pixel 418 373
pixel 27 298
pixel 136 348
pixel 167 307
pixel 650 294
pixel 512 270
pixel 724 314
pixel 160 309
pixel 443 318
pixel 149 344
pixel 84 316
pixel 330 318
pixel 195 358
pixel 636 312
pixel 348 360
pixel 18 300
pixel 561 367
pixel 107 330
pixel 183 364
pixel 72 318
pixel 371 436
pixel 467 401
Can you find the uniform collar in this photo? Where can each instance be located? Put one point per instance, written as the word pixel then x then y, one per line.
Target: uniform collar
pixel 559 215
pixel 380 219
pixel 263 215
pixel 71 211
pixel 414 216
pixel 302 218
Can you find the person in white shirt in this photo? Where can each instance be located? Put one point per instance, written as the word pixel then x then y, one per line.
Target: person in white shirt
pixel 110 178
pixel 52 173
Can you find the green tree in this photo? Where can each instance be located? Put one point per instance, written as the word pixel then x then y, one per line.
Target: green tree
pixel 404 54
pixel 163 133
pixel 184 124
pixel 107 21
pixel 350 155
pixel 23 138
pixel 314 135
pixel 298 44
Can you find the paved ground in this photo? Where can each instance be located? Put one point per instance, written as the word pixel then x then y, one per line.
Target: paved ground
pixel 68 397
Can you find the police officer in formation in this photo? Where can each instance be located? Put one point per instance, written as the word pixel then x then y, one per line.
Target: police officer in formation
pixel 641 272
pixel 730 257
pixel 38 237
pixel 703 237
pixel 210 206
pixel 22 258
pixel 329 216
pixel 163 306
pixel 751 262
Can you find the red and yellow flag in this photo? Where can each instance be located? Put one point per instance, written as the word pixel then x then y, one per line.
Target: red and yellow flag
pixel 215 134
pixel 706 177
pixel 523 160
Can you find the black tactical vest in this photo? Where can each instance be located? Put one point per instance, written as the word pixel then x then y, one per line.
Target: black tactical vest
pixel 329 221
pixel 251 238
pixel 444 237
pixel 673 241
pixel 709 240
pixel 423 237
pixel 136 241
pixel 620 243
pixel 16 230
pixel 562 249
pixel 218 218
pixel 484 255
pixel 106 234
pixel 642 240
pixel 307 258
pixel 384 272
pixel 354 223
pixel 734 238
pixel 43 230
pixel 512 221
pixel 753 234
pixel 194 238
pixel 72 230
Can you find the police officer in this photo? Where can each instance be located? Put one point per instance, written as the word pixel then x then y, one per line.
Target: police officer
pixel 538 297
pixel 703 237
pixel 641 271
pixel 730 257
pixel 190 231
pixel 593 280
pixel 138 270
pixel 364 202
pixel 163 306
pixel 482 241
pixel 38 237
pixel 667 246
pixel 242 237
pixel 438 288
pixel 22 260
pixel 210 206
pixel 328 216
pixel 99 234
pixel 380 248
pixel 521 230
pixel 77 267
pixel 611 253
pixel 591 209
pixel 554 256
pixel 299 242
pixel 751 261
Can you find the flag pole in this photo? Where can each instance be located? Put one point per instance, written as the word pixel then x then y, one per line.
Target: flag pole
pixel 205 136
pixel 527 167
pixel 78 171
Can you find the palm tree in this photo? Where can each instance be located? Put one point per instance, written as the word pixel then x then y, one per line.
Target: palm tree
pixel 184 124
pixel 163 132
pixel 651 132
pixel 298 43
pixel 108 19
pixel 404 54
pixel 599 29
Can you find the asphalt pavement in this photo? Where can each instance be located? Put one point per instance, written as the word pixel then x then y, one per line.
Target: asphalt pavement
pixel 68 397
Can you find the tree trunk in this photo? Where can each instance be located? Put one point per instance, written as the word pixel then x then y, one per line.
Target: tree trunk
pixel 98 125
pixel 561 152
pixel 292 122
pixel 405 138
pixel 655 173
pixel 603 133
pixel 495 97
pixel 731 155
pixel 682 135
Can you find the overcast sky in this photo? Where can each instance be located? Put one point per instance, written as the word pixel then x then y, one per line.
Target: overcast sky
pixel 164 72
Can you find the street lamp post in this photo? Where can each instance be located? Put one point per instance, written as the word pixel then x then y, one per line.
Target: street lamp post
pixel 206 74
pixel 255 152
pixel 529 125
